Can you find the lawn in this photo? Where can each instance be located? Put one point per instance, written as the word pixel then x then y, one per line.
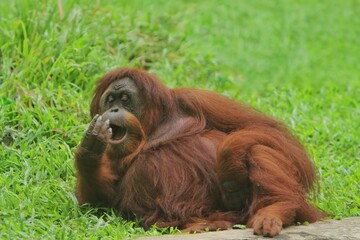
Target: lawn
pixel 296 60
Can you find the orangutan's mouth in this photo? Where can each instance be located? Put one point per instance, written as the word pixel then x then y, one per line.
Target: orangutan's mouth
pixel 118 133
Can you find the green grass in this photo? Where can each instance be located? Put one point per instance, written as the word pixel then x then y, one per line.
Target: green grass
pixel 296 60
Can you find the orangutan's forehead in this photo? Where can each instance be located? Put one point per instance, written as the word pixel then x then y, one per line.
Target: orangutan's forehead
pixel 121 83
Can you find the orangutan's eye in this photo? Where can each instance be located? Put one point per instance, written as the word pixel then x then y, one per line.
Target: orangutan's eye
pixel 124 97
pixel 110 99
